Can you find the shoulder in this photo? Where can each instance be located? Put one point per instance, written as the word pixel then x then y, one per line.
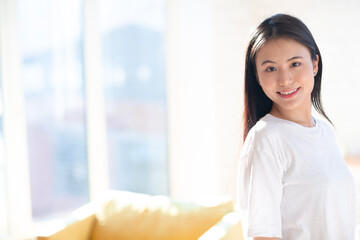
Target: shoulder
pixel 325 126
pixel 266 130
pixel 265 136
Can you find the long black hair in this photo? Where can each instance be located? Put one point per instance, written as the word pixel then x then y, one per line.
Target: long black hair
pixel 257 104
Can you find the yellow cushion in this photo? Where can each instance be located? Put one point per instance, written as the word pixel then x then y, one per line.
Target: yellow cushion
pixel 79 230
pixel 138 216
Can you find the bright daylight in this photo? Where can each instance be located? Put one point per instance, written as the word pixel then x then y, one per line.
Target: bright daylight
pixel 179 119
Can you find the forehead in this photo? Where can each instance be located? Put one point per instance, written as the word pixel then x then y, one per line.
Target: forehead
pixel 281 49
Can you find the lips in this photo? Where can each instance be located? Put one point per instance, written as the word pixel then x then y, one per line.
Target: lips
pixel 288 93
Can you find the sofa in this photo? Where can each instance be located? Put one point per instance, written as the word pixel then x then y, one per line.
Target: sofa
pixel 134 216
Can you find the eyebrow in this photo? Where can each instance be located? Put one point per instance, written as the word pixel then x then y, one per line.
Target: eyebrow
pixel 269 61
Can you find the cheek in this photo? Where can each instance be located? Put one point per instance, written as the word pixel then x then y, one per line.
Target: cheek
pixel 307 79
pixel 269 88
pixel 267 83
pixel 311 86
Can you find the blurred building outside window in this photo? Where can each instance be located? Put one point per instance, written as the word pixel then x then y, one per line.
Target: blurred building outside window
pixel 51 47
pixel 133 64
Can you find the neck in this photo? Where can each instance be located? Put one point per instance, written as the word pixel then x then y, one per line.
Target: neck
pixel 302 117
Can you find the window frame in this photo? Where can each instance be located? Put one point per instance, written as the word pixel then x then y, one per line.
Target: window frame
pixel 16 178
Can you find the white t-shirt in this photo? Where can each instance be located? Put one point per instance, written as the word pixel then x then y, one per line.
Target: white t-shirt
pixel 294 183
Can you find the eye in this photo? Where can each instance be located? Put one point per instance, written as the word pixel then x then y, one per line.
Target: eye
pixel 270 69
pixel 295 64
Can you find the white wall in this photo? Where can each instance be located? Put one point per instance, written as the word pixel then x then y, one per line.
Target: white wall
pixel 205 58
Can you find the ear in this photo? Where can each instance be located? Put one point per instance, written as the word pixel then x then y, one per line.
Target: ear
pixel 315 65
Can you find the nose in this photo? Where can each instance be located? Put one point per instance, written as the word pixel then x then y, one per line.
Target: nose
pixel 285 78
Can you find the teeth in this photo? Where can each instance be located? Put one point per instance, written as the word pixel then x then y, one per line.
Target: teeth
pixel 289 92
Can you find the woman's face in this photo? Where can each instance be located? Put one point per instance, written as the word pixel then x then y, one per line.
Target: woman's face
pixel 286 72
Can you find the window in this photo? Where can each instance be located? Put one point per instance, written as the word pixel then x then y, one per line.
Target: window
pixel 51 45
pixel 133 64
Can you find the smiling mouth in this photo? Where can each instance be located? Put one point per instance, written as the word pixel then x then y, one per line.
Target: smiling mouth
pixel 289 93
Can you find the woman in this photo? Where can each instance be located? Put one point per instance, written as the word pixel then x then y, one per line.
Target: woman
pixel 294 183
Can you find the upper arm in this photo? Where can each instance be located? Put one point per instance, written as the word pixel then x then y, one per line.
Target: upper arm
pixel 261 192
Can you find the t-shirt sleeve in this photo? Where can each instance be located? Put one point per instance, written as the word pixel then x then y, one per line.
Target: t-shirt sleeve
pixel 260 183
